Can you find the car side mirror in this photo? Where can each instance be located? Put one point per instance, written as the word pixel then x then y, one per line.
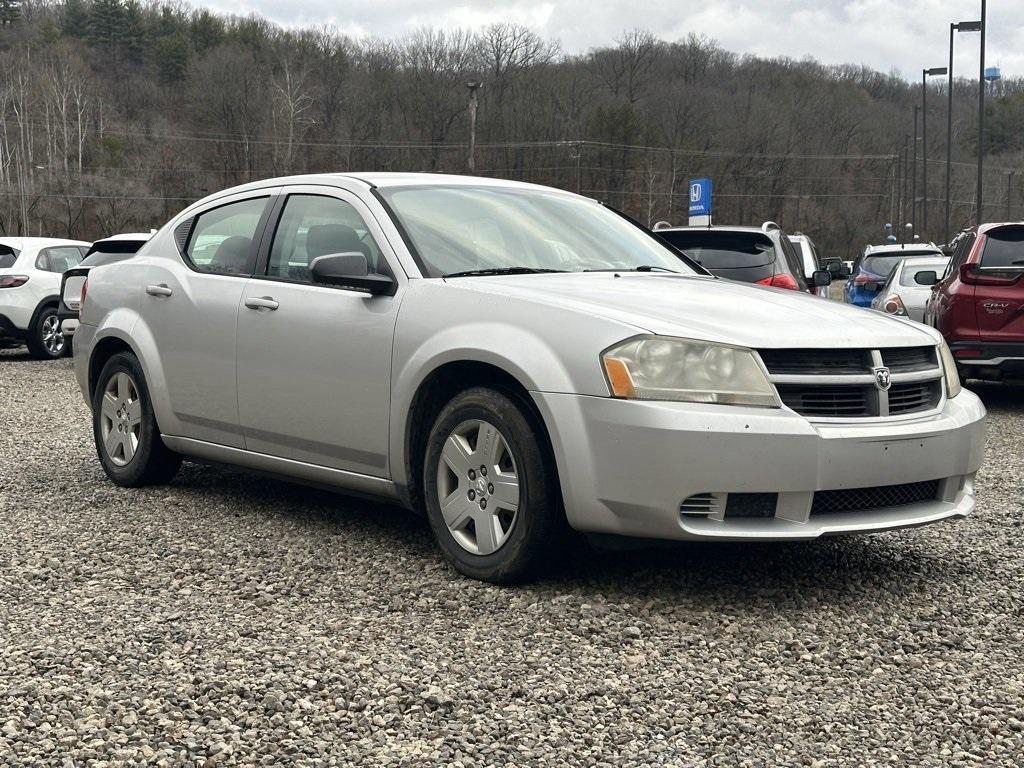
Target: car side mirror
pixel 822 278
pixel 927 277
pixel 350 270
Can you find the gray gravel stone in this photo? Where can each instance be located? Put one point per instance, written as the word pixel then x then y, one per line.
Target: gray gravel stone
pixel 232 620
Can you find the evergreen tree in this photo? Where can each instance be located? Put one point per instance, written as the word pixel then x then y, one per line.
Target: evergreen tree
pixel 74 18
pixel 10 12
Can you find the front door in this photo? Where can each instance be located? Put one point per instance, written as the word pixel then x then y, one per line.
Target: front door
pixel 314 361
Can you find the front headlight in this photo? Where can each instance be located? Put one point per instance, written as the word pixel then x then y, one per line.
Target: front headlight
pixel 661 368
pixel 953 387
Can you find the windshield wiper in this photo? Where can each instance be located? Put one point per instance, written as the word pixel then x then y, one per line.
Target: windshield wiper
pixel 501 271
pixel 641 268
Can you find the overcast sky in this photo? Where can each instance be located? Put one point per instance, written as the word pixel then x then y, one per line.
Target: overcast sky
pixel 905 35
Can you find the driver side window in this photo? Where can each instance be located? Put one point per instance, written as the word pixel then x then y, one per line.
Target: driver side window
pixel 318 225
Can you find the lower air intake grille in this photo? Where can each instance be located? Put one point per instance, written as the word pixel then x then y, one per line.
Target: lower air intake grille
pixel 700 504
pixel 751 505
pixel 880 497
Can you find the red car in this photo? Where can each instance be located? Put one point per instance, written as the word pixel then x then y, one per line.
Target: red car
pixel 978 303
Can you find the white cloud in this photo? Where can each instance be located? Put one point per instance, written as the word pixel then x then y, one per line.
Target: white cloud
pixel 883 34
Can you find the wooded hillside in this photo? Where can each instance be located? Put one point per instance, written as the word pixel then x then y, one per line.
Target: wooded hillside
pixel 118 113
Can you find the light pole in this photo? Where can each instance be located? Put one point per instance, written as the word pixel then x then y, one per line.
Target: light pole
pixel 981 120
pixel 925 74
pixel 963 26
pixel 474 86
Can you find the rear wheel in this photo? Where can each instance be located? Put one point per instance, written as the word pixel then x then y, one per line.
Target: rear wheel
pixel 127 438
pixel 491 489
pixel 45 340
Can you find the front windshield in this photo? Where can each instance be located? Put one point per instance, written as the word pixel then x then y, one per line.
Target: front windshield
pixel 461 229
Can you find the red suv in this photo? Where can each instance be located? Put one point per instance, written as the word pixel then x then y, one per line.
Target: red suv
pixel 978 304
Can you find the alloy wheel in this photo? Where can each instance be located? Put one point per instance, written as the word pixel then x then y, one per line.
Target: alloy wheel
pixel 53 339
pixel 478 487
pixel 121 419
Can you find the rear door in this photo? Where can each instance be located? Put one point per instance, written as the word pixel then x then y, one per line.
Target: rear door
pixel 999 294
pixel 190 303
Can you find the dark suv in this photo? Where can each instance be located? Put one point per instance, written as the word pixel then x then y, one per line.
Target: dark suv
pixel 978 303
pixel 762 255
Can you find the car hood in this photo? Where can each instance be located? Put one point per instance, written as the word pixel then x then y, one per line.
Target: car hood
pixel 709 309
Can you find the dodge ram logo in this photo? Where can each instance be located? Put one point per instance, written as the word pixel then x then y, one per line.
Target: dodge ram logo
pixel 883 378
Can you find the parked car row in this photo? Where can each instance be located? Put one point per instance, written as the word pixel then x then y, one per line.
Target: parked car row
pixel 972 291
pixel 515 361
pixel 34 275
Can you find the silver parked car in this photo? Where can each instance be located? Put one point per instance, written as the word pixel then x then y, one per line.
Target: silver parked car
pixel 515 361
pixel 909 285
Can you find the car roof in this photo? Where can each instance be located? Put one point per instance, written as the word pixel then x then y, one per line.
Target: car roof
pixel 381 179
pixel 140 236
pixel 21 243
pixel 998 225
pixel 716 228
pixel 877 250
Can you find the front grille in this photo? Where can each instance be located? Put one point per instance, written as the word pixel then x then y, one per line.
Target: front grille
pixel 825 401
pixel 844 383
pixel 880 497
pixel 915 396
pixel 906 359
pixel 816 361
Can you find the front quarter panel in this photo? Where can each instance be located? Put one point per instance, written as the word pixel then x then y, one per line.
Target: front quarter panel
pixel 545 347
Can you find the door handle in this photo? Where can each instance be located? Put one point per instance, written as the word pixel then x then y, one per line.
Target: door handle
pixel 158 290
pixel 261 303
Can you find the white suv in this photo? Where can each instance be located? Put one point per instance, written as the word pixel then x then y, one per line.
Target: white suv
pixel 30 272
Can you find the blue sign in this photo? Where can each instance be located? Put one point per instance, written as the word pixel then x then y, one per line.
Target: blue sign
pixel 700 197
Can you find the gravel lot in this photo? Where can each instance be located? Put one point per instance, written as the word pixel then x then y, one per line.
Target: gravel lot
pixel 227 620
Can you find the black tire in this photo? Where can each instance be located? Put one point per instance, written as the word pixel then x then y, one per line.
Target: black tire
pixel 539 526
pixel 153 463
pixel 36 338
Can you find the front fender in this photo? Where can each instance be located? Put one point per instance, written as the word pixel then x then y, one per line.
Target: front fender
pixel 545 348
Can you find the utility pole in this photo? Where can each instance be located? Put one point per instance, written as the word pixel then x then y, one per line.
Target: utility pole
pixel 904 183
pixel 949 134
pixel 1009 194
pixel 474 86
pixel 979 202
pixel 913 174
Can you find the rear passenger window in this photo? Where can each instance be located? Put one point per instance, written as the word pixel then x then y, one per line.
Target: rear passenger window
pixel 222 238
pixel 58 259
pixel 316 225
pixel 963 248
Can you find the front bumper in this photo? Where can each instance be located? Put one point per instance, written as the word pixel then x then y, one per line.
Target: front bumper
pixel 626 467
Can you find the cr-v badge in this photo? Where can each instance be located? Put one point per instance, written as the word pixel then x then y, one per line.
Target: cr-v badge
pixel 995 307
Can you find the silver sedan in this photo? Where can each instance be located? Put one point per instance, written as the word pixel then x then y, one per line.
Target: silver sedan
pixel 909 285
pixel 514 361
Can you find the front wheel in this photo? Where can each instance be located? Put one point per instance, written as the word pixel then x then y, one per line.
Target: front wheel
pixel 491 488
pixel 127 438
pixel 45 340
